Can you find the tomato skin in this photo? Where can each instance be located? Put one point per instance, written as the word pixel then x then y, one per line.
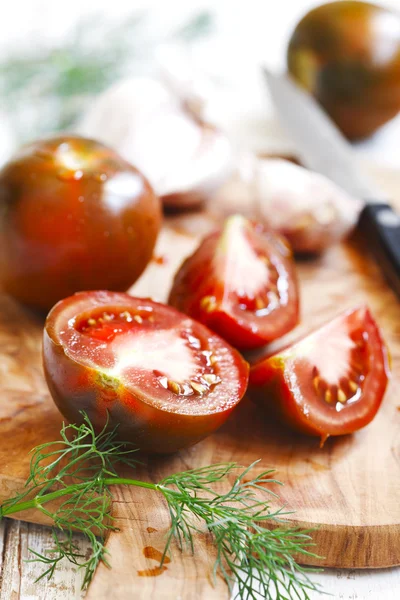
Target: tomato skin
pixel 338 53
pixel 198 279
pixel 77 387
pixel 279 384
pixel 73 215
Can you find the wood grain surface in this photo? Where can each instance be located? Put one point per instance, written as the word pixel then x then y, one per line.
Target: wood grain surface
pixel 18 575
pixel 349 490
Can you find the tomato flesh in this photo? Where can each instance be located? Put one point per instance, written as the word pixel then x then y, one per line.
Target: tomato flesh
pixel 241 283
pixel 166 380
pixel 331 382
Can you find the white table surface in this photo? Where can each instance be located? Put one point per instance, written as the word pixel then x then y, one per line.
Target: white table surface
pixel 18 576
pixel 246 34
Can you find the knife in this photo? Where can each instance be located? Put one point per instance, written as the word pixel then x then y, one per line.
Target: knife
pixel 324 149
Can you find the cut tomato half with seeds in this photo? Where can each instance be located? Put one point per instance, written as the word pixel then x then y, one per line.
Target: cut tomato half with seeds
pixel 331 382
pixel 164 379
pixel 240 282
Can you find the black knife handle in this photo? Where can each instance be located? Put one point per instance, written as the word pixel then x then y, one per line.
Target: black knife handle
pixel 380 226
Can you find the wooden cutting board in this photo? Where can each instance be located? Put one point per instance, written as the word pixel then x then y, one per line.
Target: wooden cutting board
pixel 349 490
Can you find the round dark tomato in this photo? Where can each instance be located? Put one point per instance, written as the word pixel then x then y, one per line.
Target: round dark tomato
pixel 331 382
pixel 347 54
pixel 240 282
pixel 73 216
pixel 164 379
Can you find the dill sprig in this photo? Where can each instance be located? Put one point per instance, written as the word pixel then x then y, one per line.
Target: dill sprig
pixel 61 80
pixel 258 560
pixel 75 475
pixel 77 469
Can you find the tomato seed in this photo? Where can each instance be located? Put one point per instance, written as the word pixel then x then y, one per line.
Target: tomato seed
pixel 260 304
pixel 174 387
pixel 198 387
pixel 341 396
pixel 208 303
pixel 266 260
pixel 353 386
pixel 126 315
pixel 211 379
pixel 92 322
pixel 138 319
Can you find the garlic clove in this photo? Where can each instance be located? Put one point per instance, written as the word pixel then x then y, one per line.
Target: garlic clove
pixel 184 159
pixel 306 207
pixel 197 175
pixel 177 70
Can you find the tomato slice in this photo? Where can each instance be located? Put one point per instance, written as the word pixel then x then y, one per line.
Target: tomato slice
pixel 165 379
pixel 240 282
pixel 331 382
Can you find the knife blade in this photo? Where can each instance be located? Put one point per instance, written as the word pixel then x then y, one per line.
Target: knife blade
pixel 322 148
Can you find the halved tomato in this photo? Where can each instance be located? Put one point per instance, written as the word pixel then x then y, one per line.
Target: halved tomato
pixel 165 379
pixel 331 382
pixel 240 282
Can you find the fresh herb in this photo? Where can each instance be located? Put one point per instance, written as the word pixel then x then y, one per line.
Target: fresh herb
pixel 78 470
pixel 61 80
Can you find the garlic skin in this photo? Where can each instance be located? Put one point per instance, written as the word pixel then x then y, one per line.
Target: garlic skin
pixel 184 159
pixel 307 208
pixel 178 72
pixel 159 128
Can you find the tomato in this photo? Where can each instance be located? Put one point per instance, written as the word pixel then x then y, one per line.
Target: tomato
pixel 241 283
pixel 331 382
pixel 347 54
pixel 164 379
pixel 73 216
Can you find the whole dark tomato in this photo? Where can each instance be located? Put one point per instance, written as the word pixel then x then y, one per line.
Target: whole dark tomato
pixel 240 282
pixel 331 382
pixel 165 380
pixel 73 215
pixel 347 54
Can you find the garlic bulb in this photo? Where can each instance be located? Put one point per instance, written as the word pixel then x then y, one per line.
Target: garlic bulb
pixel 310 210
pixel 184 159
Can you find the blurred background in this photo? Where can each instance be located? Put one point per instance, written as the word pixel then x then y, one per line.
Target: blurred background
pixel 56 58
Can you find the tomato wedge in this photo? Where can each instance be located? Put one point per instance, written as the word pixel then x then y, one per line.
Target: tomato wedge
pixel 166 380
pixel 331 382
pixel 240 282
